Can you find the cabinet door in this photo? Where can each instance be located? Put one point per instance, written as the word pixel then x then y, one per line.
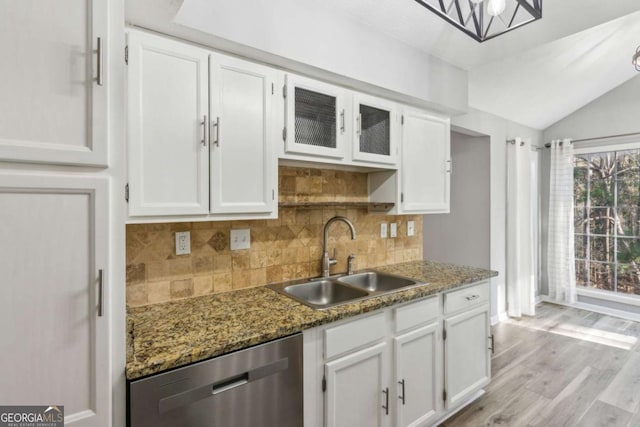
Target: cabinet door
pixel 167 127
pixel 54 86
pixel 466 352
pixel 375 131
pixel 357 389
pixel 315 118
pixel 243 165
pixel 426 163
pixel 418 364
pixel 55 342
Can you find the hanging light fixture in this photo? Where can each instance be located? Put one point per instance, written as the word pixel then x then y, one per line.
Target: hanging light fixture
pixel 486 19
pixel 636 59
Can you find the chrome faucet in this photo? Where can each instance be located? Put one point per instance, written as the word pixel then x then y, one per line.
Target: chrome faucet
pixel 326 261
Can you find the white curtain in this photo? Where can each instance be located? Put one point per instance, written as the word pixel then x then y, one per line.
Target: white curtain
pixel 520 268
pixel 561 251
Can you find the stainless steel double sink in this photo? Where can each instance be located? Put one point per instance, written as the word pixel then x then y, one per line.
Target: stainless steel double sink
pixel 326 292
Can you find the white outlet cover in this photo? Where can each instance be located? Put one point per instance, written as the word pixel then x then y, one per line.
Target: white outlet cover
pixel 411 230
pixel 240 239
pixel 183 243
pixel 383 231
pixel 393 231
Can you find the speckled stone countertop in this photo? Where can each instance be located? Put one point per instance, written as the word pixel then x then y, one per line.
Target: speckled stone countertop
pixel 173 334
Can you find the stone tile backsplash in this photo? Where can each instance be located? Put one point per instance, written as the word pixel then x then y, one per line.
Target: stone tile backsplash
pixel 289 247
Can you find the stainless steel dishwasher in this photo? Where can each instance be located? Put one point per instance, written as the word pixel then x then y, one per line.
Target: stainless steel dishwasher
pixel 258 386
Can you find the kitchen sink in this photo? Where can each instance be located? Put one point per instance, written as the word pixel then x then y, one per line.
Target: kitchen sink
pixel 323 293
pixel 373 281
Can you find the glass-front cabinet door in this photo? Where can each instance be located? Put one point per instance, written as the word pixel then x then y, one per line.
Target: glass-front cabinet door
pixel 315 118
pixel 375 130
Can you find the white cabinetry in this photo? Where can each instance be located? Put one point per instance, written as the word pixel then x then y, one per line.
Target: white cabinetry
pixel 54 82
pixel 422 183
pixel 315 122
pixel 426 163
pixel 439 361
pixel 467 343
pixel 54 310
pixel 375 130
pixel 168 115
pixel 188 159
pixel 357 388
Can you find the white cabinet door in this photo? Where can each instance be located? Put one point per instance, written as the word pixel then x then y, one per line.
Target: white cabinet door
pixel 417 375
pixel 426 163
pixel 357 389
pixel 167 127
pixel 466 350
pixel 375 130
pixel 243 165
pixel 54 108
pixel 55 341
pixel 315 118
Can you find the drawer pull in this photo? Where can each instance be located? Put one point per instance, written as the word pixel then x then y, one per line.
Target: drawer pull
pixel 472 297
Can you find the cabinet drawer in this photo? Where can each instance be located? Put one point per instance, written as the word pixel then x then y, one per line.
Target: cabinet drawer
pixel 354 334
pixel 466 298
pixel 416 313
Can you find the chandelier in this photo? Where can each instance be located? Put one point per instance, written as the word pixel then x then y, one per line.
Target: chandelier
pixel 636 59
pixel 486 19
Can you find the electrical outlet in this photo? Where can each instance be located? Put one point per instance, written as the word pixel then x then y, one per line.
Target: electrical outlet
pixel 240 239
pixel 383 231
pixel 393 230
pixel 183 243
pixel 411 228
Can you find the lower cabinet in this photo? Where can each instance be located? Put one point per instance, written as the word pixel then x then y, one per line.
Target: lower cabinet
pixel 409 365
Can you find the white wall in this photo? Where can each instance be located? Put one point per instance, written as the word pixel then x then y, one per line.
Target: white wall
pixel 463 236
pixel 498 130
pixel 616 112
pixel 308 38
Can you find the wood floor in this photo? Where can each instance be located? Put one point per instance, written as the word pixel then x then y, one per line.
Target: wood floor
pixel 563 367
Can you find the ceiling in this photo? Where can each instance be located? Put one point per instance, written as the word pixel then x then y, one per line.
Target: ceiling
pixel 535 75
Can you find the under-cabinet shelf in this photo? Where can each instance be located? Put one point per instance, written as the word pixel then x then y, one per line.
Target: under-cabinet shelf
pixel 371 206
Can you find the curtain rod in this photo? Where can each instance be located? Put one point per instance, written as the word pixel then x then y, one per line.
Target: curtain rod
pixel 548 144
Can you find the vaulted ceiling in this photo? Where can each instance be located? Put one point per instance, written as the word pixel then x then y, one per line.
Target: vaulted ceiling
pixel 535 75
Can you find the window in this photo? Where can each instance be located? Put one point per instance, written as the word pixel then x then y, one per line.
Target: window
pixel 607 215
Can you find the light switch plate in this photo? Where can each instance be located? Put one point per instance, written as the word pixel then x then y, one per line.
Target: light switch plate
pixel 240 239
pixel 383 231
pixel 183 243
pixel 411 228
pixel 393 230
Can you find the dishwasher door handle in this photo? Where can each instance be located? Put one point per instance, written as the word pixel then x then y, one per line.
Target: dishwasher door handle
pixel 188 397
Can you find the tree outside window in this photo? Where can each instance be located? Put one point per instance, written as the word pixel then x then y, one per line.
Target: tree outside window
pixel 607 215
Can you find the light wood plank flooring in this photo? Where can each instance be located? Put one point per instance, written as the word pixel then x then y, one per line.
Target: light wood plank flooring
pixel 563 367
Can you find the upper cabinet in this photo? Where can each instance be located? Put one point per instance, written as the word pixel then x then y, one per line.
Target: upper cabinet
pixel 426 163
pixel 54 82
pixel 167 127
pixel 315 118
pixel 199 133
pixel 375 130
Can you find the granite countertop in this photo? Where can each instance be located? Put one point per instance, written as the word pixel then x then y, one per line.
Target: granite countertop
pixel 173 334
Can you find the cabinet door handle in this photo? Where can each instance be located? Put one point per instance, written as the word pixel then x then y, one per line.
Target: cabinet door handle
pixel 450 166
pixel 472 297
pixel 99 62
pixel 342 121
pixel 359 124
pixel 401 397
pixel 386 399
pixel 205 130
pixel 493 344
pixel 217 126
pixel 100 292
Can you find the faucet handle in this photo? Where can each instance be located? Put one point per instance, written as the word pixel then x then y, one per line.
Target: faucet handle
pixel 350 260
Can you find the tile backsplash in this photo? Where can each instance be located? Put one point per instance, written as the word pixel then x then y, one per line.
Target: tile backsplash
pixel 289 247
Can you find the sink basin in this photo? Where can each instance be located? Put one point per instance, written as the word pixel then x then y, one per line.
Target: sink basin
pixel 373 281
pixel 323 293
